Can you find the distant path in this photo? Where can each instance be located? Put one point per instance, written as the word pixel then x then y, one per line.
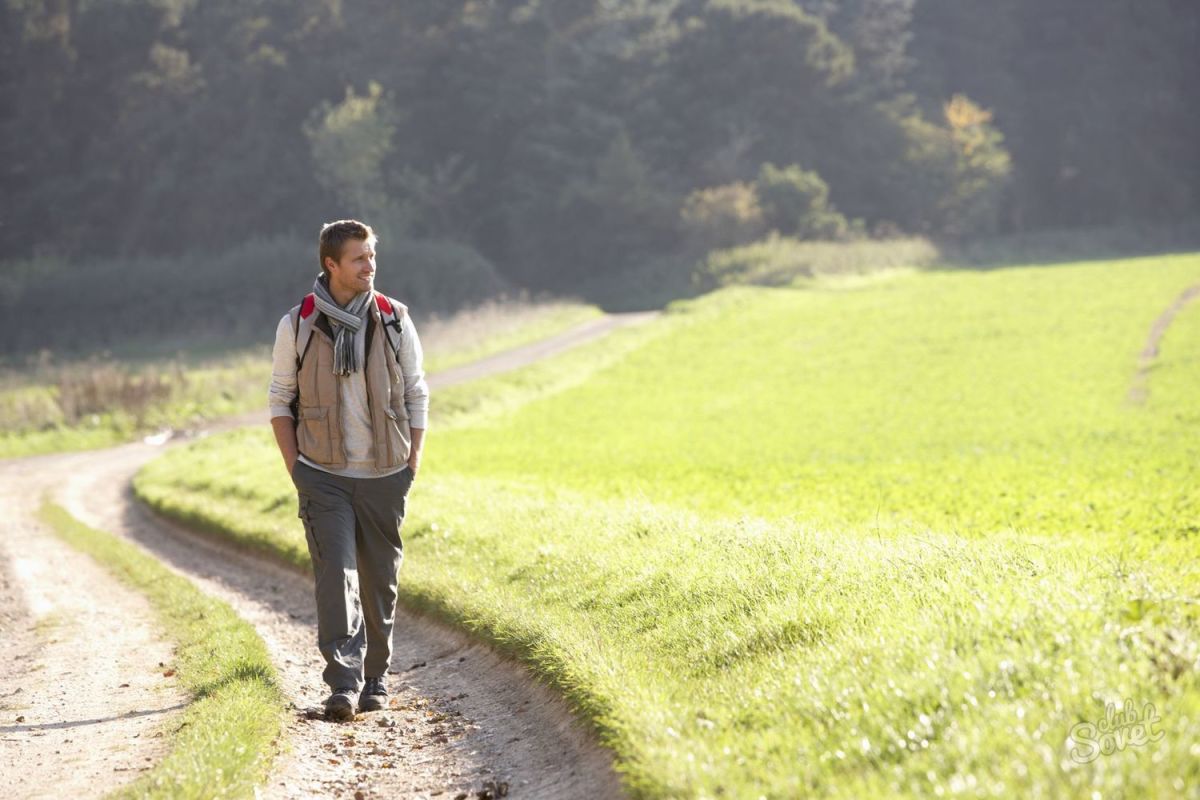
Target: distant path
pixel 492 365
pixel 536 351
pixel 463 714
pixel 1139 389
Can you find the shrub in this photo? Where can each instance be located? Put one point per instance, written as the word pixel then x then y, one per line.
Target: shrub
pixel 228 297
pixel 796 202
pixel 722 216
pixel 439 274
pixel 952 177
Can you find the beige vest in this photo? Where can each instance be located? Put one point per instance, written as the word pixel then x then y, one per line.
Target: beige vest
pixel 319 421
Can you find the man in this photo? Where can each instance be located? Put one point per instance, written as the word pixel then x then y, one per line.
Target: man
pixel 349 407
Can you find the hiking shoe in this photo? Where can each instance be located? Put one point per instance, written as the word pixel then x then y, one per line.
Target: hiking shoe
pixel 340 704
pixel 374 695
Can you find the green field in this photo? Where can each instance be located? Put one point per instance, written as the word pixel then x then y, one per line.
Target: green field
pixel 891 534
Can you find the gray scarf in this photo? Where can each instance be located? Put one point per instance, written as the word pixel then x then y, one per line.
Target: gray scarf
pixel 348 323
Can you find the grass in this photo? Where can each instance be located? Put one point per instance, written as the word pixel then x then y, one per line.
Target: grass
pixel 780 260
pixel 100 402
pixel 892 534
pixel 226 739
pixel 492 327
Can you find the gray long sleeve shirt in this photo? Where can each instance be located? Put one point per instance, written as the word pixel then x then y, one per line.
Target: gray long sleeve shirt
pixel 352 389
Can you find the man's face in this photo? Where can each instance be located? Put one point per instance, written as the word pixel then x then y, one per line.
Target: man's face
pixel 356 271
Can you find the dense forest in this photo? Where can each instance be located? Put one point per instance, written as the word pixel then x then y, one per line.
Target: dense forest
pixel 560 140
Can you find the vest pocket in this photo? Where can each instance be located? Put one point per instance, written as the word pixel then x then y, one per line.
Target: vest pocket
pixel 313 437
pixel 399 436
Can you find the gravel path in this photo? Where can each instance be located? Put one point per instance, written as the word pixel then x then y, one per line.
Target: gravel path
pixel 463 722
pixel 83 695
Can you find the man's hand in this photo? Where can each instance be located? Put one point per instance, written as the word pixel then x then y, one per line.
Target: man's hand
pixel 414 452
pixel 285 437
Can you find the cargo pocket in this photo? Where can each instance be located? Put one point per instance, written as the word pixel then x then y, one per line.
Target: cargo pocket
pixel 313 437
pixel 305 514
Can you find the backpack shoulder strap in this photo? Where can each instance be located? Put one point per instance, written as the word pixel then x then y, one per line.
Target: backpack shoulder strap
pixel 302 325
pixel 391 313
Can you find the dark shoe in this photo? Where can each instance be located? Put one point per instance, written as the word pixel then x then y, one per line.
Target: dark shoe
pixel 340 705
pixel 374 695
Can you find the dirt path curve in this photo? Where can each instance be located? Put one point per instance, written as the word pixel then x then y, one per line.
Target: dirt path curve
pixel 463 719
pixel 1138 390
pixel 83 697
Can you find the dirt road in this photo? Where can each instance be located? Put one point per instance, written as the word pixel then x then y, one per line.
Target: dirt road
pixel 82 690
pixel 463 719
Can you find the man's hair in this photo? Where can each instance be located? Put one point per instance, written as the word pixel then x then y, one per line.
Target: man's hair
pixel 334 236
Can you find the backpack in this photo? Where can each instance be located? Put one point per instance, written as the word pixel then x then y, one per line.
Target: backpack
pixel 389 316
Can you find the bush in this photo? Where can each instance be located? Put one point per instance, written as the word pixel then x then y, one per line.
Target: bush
pixel 796 202
pixel 952 177
pixel 437 274
pixel 722 216
pixel 229 297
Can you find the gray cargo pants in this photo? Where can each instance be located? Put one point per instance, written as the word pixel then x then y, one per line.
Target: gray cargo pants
pixel 353 530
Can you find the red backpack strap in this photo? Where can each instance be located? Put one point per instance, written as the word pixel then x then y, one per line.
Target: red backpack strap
pixel 391 322
pixel 385 305
pixel 302 331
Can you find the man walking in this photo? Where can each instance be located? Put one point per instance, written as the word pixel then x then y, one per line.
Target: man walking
pixel 349 406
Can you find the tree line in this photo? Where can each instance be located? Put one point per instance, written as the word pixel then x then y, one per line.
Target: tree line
pixel 561 141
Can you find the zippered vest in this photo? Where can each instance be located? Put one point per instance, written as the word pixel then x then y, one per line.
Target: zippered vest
pixel 318 408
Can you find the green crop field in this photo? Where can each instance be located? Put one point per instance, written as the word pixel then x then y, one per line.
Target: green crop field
pixel 896 534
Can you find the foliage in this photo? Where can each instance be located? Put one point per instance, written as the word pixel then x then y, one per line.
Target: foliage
pixel 349 143
pixel 560 141
pixel 796 202
pixel 722 216
pixel 231 295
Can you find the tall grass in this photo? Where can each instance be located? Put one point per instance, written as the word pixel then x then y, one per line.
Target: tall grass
pixel 782 261
pixel 100 400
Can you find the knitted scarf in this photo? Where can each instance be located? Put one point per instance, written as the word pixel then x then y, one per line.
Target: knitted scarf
pixel 349 324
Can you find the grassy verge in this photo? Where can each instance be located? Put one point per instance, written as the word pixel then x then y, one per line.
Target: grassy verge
pixel 224 744
pixel 103 402
pixel 894 536
pixel 491 328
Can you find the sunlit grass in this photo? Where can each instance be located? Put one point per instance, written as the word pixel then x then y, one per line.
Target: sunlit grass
pixel 892 537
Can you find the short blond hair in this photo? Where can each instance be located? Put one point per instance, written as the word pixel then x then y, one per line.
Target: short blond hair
pixel 334 236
